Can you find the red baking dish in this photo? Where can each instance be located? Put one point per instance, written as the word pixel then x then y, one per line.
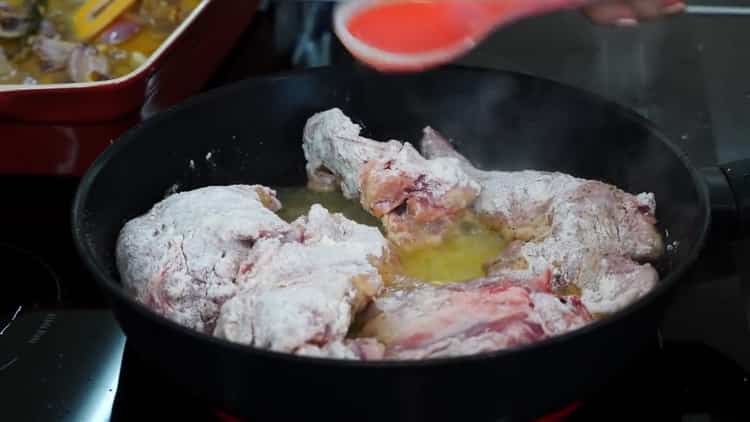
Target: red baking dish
pixel 60 129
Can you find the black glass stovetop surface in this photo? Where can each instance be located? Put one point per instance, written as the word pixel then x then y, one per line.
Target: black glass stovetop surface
pixel 63 356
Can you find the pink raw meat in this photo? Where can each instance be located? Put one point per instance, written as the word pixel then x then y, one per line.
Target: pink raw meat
pixel 418 320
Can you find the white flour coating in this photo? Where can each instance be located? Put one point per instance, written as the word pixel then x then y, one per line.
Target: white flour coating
pixel 437 177
pixel 320 224
pixel 300 297
pixel 181 258
pixel 558 316
pixel 620 283
pixel 332 142
pixel 393 181
pixel 591 240
pixel 217 260
pixel 587 232
pixel 335 152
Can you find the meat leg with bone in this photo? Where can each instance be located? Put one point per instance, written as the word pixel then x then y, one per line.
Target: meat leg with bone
pixel 588 233
pixel 416 199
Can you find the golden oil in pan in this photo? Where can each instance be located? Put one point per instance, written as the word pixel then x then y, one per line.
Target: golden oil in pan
pixel 296 202
pixel 569 289
pixel 460 257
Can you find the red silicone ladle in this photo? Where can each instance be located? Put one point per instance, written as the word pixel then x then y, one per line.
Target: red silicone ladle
pixel 412 35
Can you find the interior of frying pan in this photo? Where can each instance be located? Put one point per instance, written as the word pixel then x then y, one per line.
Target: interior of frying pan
pixel 252 133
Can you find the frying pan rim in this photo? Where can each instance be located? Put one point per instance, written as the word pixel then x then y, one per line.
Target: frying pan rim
pixel 119 293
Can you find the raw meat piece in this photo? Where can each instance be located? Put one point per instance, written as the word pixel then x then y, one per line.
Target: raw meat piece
pixel 416 199
pixel 587 232
pixel 420 320
pixel 301 296
pixel 335 152
pixel 182 257
pixel 218 260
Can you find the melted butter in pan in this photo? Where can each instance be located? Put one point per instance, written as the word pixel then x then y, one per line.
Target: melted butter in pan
pixel 296 202
pixel 459 258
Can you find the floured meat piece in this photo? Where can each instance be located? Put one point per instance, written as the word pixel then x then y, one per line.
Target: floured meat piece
pixel 424 321
pixel 335 152
pixel 587 232
pixel 182 257
pixel 416 199
pixel 219 260
pixel 301 296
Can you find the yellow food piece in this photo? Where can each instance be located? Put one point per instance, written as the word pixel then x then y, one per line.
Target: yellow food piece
pixel 95 15
pixel 150 39
pixel 65 16
pixel 144 42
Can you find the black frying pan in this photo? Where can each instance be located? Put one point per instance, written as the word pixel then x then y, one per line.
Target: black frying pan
pixel 501 121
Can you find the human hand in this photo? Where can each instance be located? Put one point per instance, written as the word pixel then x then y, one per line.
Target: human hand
pixel 630 12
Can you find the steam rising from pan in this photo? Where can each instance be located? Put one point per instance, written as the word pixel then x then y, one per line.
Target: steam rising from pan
pixel 627 64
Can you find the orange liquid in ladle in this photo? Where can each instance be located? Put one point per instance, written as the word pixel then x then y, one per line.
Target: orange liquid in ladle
pixel 410 27
pixel 414 26
pixel 417 34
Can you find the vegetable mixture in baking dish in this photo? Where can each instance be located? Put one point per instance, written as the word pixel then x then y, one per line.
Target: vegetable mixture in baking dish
pixel 392 253
pixel 63 41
